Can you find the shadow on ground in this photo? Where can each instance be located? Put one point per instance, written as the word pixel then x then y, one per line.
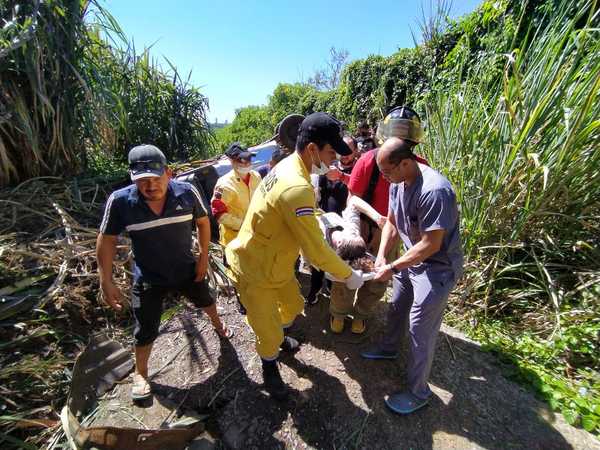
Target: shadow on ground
pixel 337 398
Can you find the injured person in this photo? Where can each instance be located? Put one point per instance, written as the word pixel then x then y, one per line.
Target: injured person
pixel 343 234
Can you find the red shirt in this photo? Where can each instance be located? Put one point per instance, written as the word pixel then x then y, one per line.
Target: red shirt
pixel 361 175
pixel 359 182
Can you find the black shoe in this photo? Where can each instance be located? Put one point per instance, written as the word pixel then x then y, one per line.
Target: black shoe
pixel 326 291
pixel 273 383
pixel 289 344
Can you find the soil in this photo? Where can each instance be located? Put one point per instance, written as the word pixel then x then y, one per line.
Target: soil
pixel 337 397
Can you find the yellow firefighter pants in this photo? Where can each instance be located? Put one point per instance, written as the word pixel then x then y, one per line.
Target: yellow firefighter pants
pixel 343 299
pixel 269 311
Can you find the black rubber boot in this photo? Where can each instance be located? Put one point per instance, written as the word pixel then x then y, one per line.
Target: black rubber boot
pixel 273 383
pixel 289 344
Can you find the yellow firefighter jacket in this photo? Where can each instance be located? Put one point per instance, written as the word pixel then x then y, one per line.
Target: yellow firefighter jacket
pixel 233 196
pixel 280 221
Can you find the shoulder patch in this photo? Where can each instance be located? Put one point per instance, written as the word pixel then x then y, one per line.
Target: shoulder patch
pixel 268 182
pixel 305 211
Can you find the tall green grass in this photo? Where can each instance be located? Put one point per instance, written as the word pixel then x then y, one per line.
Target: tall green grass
pixel 523 153
pixel 40 100
pixel 136 99
pixel 72 85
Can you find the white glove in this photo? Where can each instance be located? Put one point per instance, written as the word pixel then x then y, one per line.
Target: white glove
pixel 355 280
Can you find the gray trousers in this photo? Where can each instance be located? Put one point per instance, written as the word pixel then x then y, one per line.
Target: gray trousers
pixel 419 303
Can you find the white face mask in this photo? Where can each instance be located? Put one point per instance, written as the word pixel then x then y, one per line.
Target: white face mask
pixel 321 169
pixel 243 170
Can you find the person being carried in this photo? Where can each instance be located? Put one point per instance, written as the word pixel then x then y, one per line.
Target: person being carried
pixel 281 221
pixel 344 235
pixel 332 195
pixel 233 192
pixel 160 215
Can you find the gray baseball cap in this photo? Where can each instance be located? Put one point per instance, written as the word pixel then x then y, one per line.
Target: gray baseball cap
pixel 146 161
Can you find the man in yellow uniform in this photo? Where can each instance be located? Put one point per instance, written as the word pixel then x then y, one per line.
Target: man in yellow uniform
pixel 233 192
pixel 281 221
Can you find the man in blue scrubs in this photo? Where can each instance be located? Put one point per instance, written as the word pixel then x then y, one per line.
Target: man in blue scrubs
pixel 423 212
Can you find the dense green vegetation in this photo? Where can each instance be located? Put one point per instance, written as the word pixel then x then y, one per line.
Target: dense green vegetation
pixel 510 97
pixel 74 88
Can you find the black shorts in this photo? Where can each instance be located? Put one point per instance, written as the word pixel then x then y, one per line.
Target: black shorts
pixel 147 301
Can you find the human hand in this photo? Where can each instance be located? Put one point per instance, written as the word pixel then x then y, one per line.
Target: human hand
pixel 381 221
pixel 380 261
pixel 355 280
pixel 201 268
pixel 334 174
pixel 112 295
pixel 383 274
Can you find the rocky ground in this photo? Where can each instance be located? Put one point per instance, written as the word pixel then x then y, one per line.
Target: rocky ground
pixel 337 399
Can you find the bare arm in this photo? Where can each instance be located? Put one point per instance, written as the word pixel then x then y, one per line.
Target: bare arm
pixel 203 233
pixel 106 249
pixel 389 237
pixel 366 209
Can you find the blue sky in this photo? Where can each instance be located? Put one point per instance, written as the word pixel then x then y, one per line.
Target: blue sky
pixel 238 51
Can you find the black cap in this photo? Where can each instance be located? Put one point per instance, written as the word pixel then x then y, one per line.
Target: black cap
pixel 237 152
pixel 322 127
pixel 146 161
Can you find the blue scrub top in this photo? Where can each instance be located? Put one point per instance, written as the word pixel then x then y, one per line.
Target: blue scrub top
pixel 428 204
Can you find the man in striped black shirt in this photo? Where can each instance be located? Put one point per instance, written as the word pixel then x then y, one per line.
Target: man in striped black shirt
pixel 160 215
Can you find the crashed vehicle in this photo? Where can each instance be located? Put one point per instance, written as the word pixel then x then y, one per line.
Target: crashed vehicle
pixel 205 177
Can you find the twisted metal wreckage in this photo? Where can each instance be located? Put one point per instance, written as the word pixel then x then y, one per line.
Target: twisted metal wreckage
pixel 101 365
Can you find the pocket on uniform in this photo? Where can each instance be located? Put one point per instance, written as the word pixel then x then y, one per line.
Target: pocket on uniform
pixel 441 279
pixel 282 263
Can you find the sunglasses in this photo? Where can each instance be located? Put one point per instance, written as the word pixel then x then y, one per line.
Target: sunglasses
pixel 145 166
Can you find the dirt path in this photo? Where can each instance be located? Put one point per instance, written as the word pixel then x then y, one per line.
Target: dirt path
pixel 338 397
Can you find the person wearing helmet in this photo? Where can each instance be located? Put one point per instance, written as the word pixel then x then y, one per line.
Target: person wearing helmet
pixel 233 192
pixel 280 222
pixel 424 214
pixel 367 183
